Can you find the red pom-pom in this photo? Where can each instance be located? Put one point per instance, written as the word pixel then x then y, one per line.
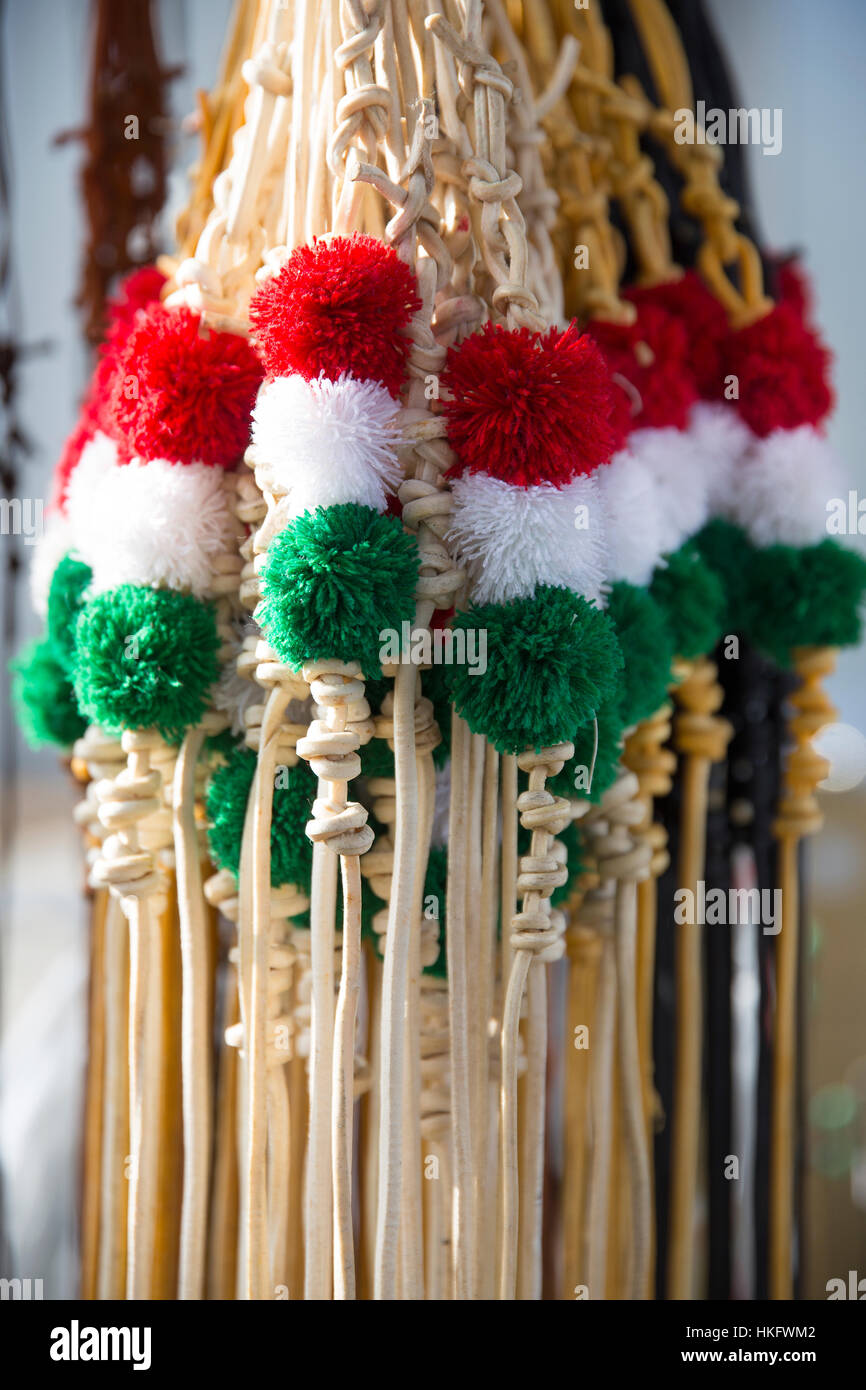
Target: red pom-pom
pixel 652 356
pixel 133 294
pixel 180 395
pixel 623 415
pixel 793 288
pixel 99 402
pixel 705 322
pixel 68 461
pixel 782 369
pixel 337 306
pixel 529 408
pixel 136 291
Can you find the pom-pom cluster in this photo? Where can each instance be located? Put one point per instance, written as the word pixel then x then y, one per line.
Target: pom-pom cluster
pixel 69 584
pixel 692 598
pixel 782 370
pixel 337 306
pixel 782 597
pixel 805 597
pixel 528 408
pixel 727 551
pixel 134 293
pixel 158 524
pixel 688 300
pixel 650 358
pixel 647 645
pixel 553 659
pixel 326 442
pixel 749 448
pixel 145 659
pixel 512 538
pixel 531 418
pixel 42 685
pixel 787 471
pixel 332 580
pixel 45 703
pixel 183 393
pixel 331 330
pixel 43 693
pixel 140 480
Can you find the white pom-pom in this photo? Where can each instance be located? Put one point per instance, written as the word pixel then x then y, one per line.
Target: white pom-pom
pixel 512 538
pixel 326 442
pixel 632 517
pixel 97 462
pixel 720 440
pixel 55 542
pixel 782 486
pixel 681 483
pixel 157 524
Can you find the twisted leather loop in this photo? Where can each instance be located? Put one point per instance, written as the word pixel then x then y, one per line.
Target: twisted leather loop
pixel 616 852
pixel 126 805
pixel 537 929
pixel 799 813
pixel 699 731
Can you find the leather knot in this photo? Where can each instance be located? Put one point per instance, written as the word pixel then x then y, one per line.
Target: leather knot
pixel 539 932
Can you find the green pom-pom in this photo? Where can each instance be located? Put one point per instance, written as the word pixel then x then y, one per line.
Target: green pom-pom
pixel 227 797
pixel 728 551
pixel 65 601
pixel 552 660
pixel 221 746
pixel 45 701
pixel 434 684
pixel 145 658
pixel 435 882
pixel 377 759
pixel 693 600
pixel 294 792
pixel 805 598
pixel 647 647
pixel 573 780
pixel 333 580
